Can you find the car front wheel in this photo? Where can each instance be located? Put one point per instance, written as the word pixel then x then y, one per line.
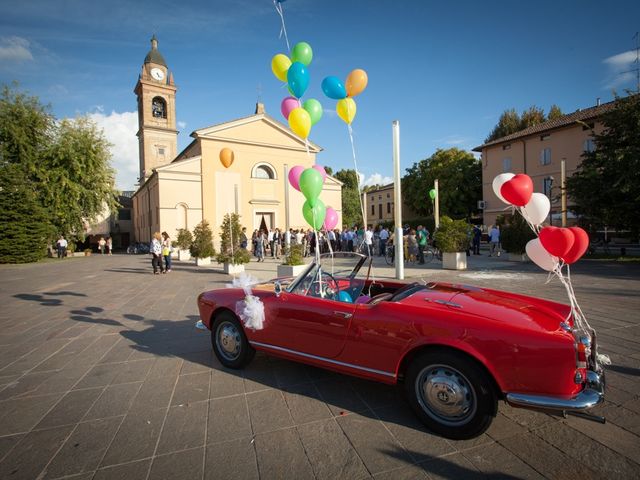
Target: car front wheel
pixel 451 394
pixel 230 342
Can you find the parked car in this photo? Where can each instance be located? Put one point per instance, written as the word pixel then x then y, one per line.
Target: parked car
pixel 456 349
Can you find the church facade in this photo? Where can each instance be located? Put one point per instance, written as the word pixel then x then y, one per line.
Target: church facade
pixel 179 190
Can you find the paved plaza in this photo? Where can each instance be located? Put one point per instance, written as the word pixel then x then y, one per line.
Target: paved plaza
pixel 103 376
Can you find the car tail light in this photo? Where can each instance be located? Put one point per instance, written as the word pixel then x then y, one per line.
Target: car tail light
pixel 583 351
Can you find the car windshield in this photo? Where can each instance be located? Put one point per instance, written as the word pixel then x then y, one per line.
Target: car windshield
pixel 338 277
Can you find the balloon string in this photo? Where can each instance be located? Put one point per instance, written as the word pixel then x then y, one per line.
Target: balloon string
pixel 355 163
pixel 233 260
pixel 283 29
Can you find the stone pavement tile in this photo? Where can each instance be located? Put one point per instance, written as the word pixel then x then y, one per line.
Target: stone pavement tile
pixel 545 459
pixel 154 393
pixel 452 466
pixel 34 357
pixel 84 449
pixel 413 472
pixel 527 418
pixel 632 404
pixel 64 355
pixel 268 411
pixel 412 434
pixel 329 451
pixel 100 375
pixel 197 362
pixel 191 388
pixel 259 375
pixel 495 461
pixel 134 371
pixel 378 395
pixel 305 404
pixel 114 400
pixel 62 380
pixel 120 352
pixel 22 414
pixel 7 443
pixel 228 419
pixel 289 373
pixel 225 382
pixel 622 417
pixel 24 386
pixel 165 367
pixel 280 454
pixel 32 453
pixel 503 427
pixel 129 471
pixel 184 428
pixel 233 460
pixel 597 457
pixel 340 396
pixel 137 437
pixel 71 408
pixel 617 396
pixel 377 448
pixel 90 356
pixel 185 465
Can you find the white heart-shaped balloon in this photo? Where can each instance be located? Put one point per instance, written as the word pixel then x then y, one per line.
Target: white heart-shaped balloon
pixel 497 184
pixel 537 210
pixel 538 255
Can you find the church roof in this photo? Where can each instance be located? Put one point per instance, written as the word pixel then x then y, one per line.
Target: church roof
pixel 154 55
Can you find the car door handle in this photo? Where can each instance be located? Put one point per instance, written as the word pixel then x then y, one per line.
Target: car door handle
pixel 338 313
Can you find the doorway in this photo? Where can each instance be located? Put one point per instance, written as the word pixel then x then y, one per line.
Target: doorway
pixel 264 221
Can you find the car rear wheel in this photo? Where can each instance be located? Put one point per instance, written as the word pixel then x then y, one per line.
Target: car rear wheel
pixel 451 394
pixel 230 342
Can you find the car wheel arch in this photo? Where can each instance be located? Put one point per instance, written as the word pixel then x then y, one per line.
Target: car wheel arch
pixel 219 311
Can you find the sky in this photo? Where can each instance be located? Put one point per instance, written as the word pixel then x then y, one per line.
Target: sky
pixel 444 70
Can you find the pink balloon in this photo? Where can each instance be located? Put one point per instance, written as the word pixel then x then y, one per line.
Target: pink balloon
pixel 322 171
pixel 287 105
pixel 294 176
pixel 330 219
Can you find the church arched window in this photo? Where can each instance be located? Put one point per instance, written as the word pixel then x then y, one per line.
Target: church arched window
pixel 263 170
pixel 159 107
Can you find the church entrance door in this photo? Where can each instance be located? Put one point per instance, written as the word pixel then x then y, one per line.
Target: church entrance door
pixel 264 221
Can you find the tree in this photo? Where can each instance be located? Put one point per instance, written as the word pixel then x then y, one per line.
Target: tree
pixel 459 177
pixel 606 185
pixel 351 201
pixel 554 112
pixel 510 122
pixel 202 246
pixel 230 250
pixel 532 116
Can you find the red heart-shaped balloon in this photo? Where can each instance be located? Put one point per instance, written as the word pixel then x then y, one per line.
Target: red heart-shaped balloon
pixel 580 245
pixel 518 190
pixel 557 241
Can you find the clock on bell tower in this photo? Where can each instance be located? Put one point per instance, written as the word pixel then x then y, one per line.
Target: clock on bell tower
pixel 156 92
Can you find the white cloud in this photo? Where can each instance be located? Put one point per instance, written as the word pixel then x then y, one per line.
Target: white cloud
pixel 14 49
pixel 374 179
pixel 182 125
pixel 120 130
pixel 618 67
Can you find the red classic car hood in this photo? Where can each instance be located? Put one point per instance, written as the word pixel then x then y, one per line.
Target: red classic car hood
pixel 495 305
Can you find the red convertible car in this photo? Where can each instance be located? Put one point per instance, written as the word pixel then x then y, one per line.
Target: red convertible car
pixel 456 349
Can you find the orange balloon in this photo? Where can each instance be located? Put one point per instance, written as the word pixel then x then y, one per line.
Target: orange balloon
pixel 356 82
pixel 226 157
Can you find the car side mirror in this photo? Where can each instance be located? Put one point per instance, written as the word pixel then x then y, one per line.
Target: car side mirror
pixel 277 288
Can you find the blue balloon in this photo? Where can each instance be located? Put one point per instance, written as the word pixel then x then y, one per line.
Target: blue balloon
pixel 344 297
pixel 333 88
pixel 298 79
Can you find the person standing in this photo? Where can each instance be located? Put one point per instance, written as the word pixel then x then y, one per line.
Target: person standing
pixel 384 238
pixel 421 235
pixel 156 250
pixel 101 245
pixel 166 252
pixel 477 234
pixel 244 241
pixel 110 246
pixel 494 240
pixel 277 241
pixel 270 242
pixel 61 246
pixel 412 245
pixel 260 241
pixel 368 240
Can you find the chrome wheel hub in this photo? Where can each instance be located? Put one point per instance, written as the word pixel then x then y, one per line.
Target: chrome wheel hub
pixel 228 340
pixel 445 395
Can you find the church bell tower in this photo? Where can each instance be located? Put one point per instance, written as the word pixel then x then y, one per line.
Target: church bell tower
pixel 157 134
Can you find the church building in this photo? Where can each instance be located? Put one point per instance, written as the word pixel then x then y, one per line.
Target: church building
pixel 179 190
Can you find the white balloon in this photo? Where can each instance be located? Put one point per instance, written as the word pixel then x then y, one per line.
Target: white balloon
pixel 497 184
pixel 537 210
pixel 538 255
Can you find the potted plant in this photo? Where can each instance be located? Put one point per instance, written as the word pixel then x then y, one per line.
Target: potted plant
pixel 202 246
pixel 184 241
pixel 232 255
pixel 452 238
pixel 514 237
pixel 293 262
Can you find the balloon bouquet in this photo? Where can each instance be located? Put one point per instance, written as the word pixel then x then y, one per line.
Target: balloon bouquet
pixel 554 249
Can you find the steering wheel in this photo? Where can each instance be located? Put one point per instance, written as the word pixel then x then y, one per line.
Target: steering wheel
pixel 325 288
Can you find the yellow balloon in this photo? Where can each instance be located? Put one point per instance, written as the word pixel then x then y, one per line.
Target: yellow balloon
pixel 280 64
pixel 356 82
pixel 226 157
pixel 346 109
pixel 300 122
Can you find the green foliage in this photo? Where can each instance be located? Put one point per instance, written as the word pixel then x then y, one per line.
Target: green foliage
pixel 515 235
pixel 230 250
pixel 459 177
pixel 351 211
pixel 202 246
pixel 510 122
pixel 185 239
pixel 295 255
pixel 452 235
pixel 606 185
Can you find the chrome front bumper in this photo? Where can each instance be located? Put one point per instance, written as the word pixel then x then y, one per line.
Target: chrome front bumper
pixel 589 397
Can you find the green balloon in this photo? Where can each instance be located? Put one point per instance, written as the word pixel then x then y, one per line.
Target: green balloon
pixel 432 193
pixel 314 109
pixel 311 184
pixel 314 214
pixel 302 53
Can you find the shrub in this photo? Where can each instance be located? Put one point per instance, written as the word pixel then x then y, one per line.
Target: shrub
pixel 202 245
pixel 230 250
pixel 515 235
pixel 185 239
pixel 295 255
pixel 452 235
